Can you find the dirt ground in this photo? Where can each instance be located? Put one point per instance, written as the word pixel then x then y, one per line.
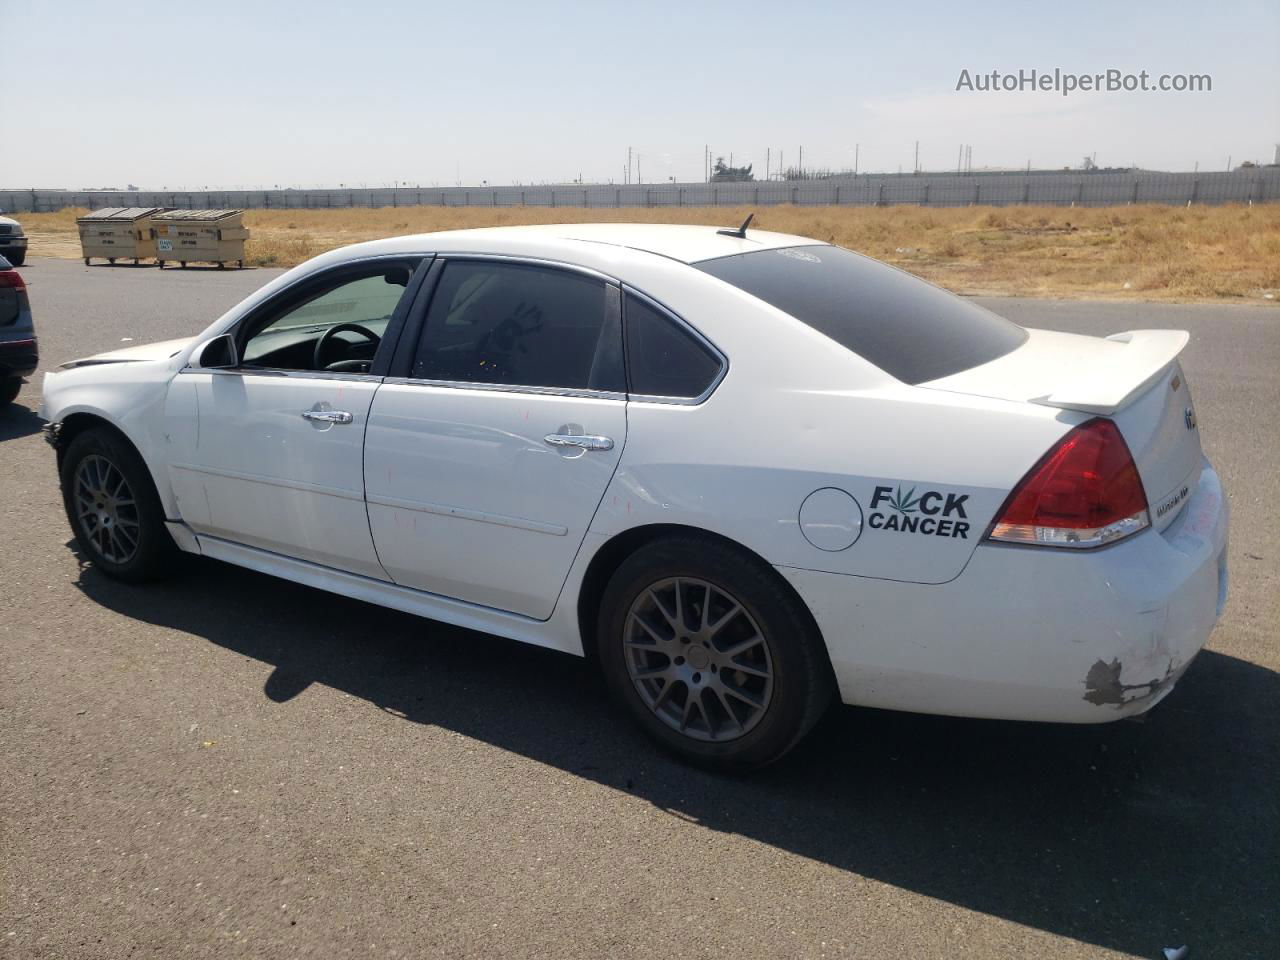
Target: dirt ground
pixel 1136 253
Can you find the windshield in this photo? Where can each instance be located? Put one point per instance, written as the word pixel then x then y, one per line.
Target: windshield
pixel 908 328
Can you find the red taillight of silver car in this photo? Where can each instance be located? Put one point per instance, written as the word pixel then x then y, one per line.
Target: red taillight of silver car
pixel 1083 493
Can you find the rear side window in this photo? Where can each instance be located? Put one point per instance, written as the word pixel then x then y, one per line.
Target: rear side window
pixel 507 323
pixel 908 328
pixel 664 358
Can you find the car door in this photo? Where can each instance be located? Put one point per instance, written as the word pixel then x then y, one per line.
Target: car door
pixel 486 459
pixel 273 458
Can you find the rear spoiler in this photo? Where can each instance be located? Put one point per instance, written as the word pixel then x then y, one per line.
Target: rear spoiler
pixel 1107 385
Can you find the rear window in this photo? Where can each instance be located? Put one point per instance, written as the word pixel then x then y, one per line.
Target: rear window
pixel 910 329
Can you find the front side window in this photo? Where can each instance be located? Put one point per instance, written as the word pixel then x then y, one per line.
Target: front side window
pixel 520 325
pixel 663 357
pixel 336 326
pixel 910 329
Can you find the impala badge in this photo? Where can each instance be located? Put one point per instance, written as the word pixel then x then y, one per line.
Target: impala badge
pixel 1175 383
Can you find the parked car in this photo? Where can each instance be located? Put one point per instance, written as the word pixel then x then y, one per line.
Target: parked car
pixel 747 471
pixel 18 350
pixel 13 242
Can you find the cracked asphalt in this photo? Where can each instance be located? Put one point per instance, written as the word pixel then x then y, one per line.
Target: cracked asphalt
pixel 234 766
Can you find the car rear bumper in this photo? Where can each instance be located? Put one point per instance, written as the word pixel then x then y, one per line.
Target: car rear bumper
pixel 18 358
pixel 1032 633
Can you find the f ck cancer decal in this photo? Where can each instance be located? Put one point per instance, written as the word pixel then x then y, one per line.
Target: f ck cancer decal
pixel 921 512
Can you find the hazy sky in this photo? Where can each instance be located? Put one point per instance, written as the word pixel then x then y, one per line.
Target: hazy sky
pixel 226 94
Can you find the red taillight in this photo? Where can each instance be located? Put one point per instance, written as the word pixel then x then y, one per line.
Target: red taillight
pixel 12 279
pixel 1083 493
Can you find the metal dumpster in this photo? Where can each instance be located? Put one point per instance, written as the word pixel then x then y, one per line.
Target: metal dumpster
pixel 213 236
pixel 117 233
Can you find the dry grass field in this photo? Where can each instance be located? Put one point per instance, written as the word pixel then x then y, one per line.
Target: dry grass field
pixel 1134 252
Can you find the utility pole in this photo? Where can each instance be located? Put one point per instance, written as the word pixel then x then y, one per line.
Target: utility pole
pixel 915 169
pixel 767 152
pixel 960 160
pixel 628 179
pixel 1228 163
pixel 639 179
pixel 782 171
pixel 855 158
pixel 706 162
pixel 802 162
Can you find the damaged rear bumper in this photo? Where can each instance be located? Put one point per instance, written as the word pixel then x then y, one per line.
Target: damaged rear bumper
pixel 1029 633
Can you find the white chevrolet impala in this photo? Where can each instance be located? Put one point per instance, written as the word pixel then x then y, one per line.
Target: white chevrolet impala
pixel 746 471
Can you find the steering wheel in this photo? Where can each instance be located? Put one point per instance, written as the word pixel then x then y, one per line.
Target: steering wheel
pixel 317 359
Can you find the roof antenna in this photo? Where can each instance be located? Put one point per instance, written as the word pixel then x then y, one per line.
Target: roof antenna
pixel 740 232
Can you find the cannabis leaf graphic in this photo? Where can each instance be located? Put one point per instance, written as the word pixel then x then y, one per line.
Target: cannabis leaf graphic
pixel 905 504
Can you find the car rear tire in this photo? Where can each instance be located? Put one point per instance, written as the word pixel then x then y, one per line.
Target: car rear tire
pixel 17 257
pixel 712 654
pixel 113 508
pixel 9 390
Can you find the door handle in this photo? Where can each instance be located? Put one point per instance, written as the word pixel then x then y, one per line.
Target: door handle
pixel 327 416
pixel 576 440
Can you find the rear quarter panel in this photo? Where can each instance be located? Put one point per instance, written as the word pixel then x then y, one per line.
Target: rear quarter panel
pixel 797 413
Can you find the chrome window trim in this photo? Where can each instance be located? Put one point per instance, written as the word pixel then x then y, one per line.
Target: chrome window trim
pixel 274 372
pixel 695 333
pixel 507 388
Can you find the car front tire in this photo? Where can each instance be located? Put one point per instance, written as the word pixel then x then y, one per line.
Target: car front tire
pixel 712 654
pixel 9 390
pixel 114 510
pixel 17 257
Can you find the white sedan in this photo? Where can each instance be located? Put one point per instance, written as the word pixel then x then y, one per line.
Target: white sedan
pixel 748 472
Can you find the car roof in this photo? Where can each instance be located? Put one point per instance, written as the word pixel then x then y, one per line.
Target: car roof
pixel 683 242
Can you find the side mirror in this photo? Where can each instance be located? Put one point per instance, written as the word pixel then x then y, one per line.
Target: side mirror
pixel 220 353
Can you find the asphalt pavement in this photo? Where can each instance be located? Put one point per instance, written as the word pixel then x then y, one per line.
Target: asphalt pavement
pixel 230 765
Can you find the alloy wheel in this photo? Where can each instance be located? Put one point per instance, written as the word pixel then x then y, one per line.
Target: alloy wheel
pixel 106 509
pixel 698 659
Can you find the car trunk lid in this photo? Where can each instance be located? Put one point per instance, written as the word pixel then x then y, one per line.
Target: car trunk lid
pixel 1134 378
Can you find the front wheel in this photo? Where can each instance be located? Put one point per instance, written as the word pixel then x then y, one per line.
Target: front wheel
pixel 712 654
pixel 9 390
pixel 114 510
pixel 17 257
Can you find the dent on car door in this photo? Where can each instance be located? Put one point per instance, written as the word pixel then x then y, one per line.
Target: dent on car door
pixel 275 457
pixel 487 458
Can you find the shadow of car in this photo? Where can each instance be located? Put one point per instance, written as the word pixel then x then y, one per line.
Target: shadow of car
pixel 1128 836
